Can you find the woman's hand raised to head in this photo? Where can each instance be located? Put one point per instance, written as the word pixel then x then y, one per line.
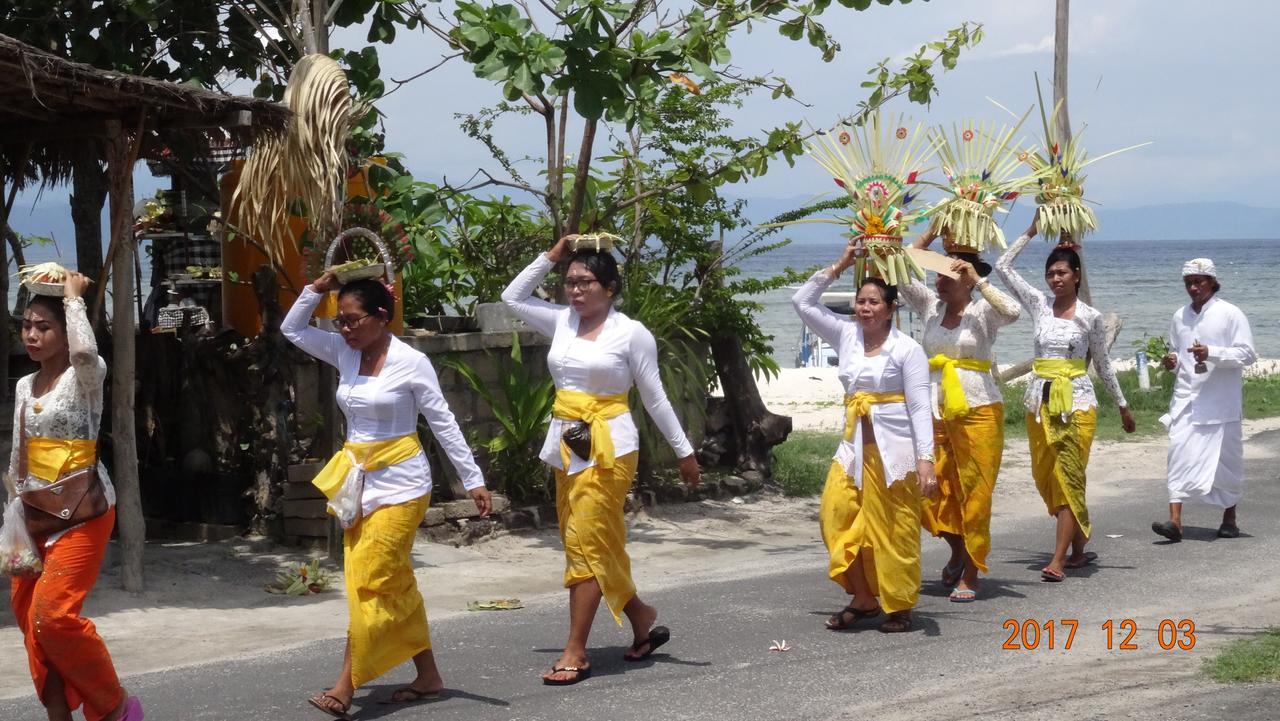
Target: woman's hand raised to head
pixel 75 284
pixel 926 239
pixel 851 253
pixel 968 274
pixel 1031 229
pixel 563 248
pixel 326 283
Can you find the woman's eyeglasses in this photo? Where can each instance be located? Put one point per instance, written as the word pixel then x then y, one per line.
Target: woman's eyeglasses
pixel 341 322
pixel 579 284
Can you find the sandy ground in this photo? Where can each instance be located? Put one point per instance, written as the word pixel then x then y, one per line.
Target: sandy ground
pixel 206 602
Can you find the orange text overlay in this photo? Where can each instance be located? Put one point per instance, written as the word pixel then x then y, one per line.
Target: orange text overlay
pixel 1121 635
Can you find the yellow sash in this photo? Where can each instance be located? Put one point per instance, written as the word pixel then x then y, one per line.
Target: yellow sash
pixel 50 458
pixel 371 456
pixel 595 411
pixel 859 404
pixel 1059 372
pixel 954 404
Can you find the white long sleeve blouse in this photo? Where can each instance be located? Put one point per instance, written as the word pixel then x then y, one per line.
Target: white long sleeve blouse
pixel 904 431
pixel 70 410
pixel 386 406
pixel 624 354
pixel 975 337
pixel 1082 336
pixel 1218 395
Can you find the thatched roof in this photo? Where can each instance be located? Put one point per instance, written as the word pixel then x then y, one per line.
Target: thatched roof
pixel 48 104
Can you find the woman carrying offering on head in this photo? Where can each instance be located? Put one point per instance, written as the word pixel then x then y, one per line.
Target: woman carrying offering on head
pixel 379 483
pixel 597 354
pixel 968 411
pixel 57 412
pixel 871 503
pixel 1060 403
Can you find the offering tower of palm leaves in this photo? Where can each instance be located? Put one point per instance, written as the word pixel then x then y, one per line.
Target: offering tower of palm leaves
pixel 979 161
pixel 877 165
pixel 1063 214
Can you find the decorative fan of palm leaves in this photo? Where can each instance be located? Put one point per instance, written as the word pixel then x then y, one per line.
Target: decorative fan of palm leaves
pixel 876 164
pixel 1063 213
pixel 304 168
pixel 980 162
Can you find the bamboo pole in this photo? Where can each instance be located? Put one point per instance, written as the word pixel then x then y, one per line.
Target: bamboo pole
pixel 1062 119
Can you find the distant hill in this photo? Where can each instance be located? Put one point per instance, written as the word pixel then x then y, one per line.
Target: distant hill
pixel 1175 221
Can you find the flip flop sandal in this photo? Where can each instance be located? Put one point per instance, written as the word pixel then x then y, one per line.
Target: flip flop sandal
pixel 413 696
pixel 319 698
pixel 581 673
pixel 857 615
pixel 896 624
pixel 1228 530
pixel 951 575
pixel 1052 576
pixel 1089 558
pixel 963 595
pixel 658 635
pixel 1168 530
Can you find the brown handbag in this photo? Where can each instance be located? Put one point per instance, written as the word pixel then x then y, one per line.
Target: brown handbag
pixel 76 497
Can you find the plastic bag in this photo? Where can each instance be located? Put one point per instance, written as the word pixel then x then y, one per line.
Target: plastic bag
pixel 346 503
pixel 18 553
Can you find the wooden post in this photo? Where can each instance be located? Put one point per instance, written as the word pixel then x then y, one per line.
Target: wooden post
pixel 1062 121
pixel 129 521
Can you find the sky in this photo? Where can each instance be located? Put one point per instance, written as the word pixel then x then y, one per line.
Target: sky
pixel 1194 78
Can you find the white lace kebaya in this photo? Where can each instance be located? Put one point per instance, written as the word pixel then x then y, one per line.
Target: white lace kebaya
pixel 624 354
pixel 1082 336
pixel 71 409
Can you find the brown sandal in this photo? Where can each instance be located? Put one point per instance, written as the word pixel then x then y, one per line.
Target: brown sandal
pixel 837 621
pixel 897 622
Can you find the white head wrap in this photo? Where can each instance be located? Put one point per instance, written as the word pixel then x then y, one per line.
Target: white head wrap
pixel 1199 266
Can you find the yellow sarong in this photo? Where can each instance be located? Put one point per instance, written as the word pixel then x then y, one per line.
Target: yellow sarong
pixel 589 507
pixel 1059 372
pixel 596 412
pixel 968 451
pixel 1059 456
pixel 388 621
pixel 50 458
pixel 857 405
pixel 369 456
pixel 954 403
pixel 883 519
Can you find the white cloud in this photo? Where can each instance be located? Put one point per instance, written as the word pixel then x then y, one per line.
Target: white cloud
pixel 1044 46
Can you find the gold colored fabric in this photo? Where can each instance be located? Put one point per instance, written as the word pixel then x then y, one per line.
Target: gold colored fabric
pixel 50 458
pixel 954 403
pixel 371 455
pixel 857 405
pixel 967 453
pixel 388 621
pixel 595 411
pixel 1059 372
pixel 1059 456
pixel 884 520
pixel 589 506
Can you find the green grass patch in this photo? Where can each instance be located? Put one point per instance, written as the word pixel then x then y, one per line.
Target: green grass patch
pixel 1261 400
pixel 801 463
pixel 1250 659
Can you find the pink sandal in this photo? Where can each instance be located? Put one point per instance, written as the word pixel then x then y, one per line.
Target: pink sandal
pixel 132 710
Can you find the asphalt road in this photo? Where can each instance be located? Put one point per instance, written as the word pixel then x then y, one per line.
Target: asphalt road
pixel 953 665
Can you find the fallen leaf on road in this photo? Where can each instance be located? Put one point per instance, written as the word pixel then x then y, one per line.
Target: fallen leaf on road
pixel 499 604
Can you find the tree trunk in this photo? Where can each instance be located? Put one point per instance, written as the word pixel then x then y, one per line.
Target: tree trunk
pixel 755 430
pixel 129 518
pixel 4 307
pixel 272 438
pixel 88 192
pixel 19 260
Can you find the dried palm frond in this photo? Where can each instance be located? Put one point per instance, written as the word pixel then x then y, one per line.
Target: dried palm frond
pixel 305 168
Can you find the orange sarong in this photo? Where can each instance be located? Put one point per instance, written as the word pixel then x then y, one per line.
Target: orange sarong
pixel 57 637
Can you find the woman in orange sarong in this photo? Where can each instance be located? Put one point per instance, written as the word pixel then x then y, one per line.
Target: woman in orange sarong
pixel 57 411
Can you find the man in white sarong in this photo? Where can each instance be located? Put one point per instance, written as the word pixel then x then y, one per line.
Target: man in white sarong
pixel 1210 343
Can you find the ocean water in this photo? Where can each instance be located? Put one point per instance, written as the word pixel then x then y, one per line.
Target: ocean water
pixel 1139 280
